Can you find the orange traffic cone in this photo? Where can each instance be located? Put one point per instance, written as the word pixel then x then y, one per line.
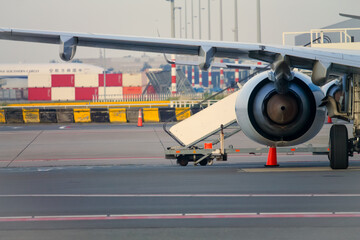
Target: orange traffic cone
pixel 329 120
pixel 140 121
pixel 272 159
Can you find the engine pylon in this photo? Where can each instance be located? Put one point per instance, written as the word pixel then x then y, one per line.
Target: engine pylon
pixel 272 158
pixel 140 121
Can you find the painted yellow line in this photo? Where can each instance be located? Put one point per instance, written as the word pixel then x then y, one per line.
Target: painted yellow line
pixel 294 169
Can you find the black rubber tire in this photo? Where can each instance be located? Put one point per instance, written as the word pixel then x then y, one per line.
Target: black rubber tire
pixel 204 162
pixel 182 161
pixel 338 146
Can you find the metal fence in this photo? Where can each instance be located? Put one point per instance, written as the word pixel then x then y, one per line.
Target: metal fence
pixel 13 94
pixel 146 97
pixel 156 97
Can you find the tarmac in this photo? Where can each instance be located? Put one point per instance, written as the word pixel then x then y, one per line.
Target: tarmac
pixel 105 181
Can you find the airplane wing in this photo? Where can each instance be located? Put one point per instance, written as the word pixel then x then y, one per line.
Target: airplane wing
pixel 349 16
pixel 321 61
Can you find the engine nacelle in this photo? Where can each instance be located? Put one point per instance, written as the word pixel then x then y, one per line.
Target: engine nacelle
pixel 274 119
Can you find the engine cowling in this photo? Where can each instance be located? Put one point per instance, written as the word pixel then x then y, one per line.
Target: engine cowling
pixel 274 119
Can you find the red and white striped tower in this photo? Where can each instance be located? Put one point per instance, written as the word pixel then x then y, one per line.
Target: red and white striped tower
pixel 209 79
pixel 200 78
pixel 192 76
pixel 236 72
pixel 222 76
pixel 173 75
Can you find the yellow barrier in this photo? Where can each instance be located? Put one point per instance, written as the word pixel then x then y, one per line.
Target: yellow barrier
pixel 82 115
pixel 151 115
pixel 183 115
pixel 117 115
pixel 31 115
pixel 2 116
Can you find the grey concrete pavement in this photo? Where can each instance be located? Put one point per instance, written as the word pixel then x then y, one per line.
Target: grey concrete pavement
pixel 122 190
pixel 107 144
pixel 123 174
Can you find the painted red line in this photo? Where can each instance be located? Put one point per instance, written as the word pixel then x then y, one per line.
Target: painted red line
pixel 178 216
pixel 79 131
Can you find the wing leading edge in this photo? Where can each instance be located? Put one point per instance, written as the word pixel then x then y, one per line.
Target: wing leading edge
pixel 321 61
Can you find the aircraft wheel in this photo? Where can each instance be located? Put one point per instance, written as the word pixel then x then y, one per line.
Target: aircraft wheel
pixel 338 154
pixel 182 161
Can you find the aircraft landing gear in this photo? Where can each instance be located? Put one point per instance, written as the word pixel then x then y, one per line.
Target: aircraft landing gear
pixel 338 147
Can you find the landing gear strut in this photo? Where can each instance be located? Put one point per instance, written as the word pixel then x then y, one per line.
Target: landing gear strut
pixel 338 147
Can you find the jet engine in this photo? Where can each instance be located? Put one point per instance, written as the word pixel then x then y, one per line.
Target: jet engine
pixel 275 119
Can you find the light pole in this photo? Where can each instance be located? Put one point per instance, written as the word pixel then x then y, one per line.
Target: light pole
pixel 199 19
pixel 258 21
pixel 192 19
pixel 192 36
pixel 172 10
pixel 104 75
pixel 209 31
pixel 185 18
pixel 236 27
pixel 209 36
pixel 173 67
pixel 221 22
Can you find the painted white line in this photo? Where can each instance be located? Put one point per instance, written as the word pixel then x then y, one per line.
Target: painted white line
pixel 71 216
pixel 45 169
pixel 347 213
pixel 181 216
pixel 16 217
pixel 284 195
pixel 147 215
pixel 219 214
pixel 336 195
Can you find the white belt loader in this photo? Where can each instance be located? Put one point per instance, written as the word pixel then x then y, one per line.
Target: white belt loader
pixel 213 125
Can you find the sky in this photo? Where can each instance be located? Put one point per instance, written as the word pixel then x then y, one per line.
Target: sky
pixel 152 17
